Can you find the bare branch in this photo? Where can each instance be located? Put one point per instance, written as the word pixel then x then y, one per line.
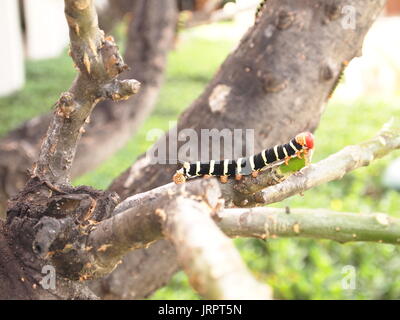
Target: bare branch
pixel 99 63
pixel 112 124
pixel 248 192
pixel 343 227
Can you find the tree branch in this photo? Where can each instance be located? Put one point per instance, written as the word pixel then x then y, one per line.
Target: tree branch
pixel 135 223
pixel 208 257
pixel 343 227
pixel 99 63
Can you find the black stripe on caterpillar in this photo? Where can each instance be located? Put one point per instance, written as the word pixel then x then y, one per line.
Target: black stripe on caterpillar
pixel 299 145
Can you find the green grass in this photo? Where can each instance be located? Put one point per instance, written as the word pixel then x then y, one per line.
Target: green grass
pixel 295 268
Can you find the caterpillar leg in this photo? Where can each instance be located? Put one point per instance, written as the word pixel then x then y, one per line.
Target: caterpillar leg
pixel 179 178
pixel 254 174
pixel 207 176
pixel 287 159
pixel 238 177
pixel 223 179
pixel 298 155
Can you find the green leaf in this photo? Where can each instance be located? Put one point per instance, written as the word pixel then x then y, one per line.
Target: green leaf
pixel 295 164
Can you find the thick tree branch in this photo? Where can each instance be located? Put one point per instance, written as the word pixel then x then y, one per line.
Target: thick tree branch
pixel 343 227
pixel 99 63
pixel 135 223
pixel 183 215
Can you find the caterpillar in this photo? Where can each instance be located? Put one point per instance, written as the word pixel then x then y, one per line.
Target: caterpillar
pixel 300 145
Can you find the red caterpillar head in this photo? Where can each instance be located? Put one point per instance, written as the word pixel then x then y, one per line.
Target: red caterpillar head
pixel 306 139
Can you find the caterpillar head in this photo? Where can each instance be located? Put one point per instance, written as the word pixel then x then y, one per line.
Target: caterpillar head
pixel 305 139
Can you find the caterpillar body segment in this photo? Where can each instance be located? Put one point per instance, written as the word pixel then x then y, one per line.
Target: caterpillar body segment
pixel 297 147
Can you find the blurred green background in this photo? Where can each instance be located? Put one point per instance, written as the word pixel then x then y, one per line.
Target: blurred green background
pixel 295 268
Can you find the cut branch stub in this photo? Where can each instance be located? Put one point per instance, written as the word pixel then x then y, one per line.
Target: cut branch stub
pixel 121 89
pixel 66 105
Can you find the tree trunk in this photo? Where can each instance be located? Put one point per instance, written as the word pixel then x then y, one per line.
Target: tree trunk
pixel 276 82
pixel 151 34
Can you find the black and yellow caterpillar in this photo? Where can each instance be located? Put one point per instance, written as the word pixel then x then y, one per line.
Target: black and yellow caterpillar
pixel 301 144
